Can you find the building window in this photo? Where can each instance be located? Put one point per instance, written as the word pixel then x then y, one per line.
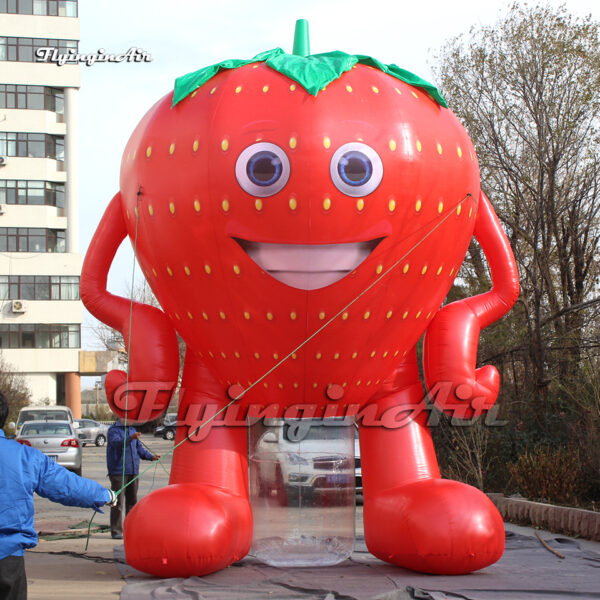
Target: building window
pixel 39 287
pixel 51 8
pixel 21 49
pixel 31 239
pixel 32 145
pixel 36 97
pixel 48 193
pixel 25 335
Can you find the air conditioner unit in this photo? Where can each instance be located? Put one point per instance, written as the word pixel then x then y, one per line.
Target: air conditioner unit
pixel 2 161
pixel 18 306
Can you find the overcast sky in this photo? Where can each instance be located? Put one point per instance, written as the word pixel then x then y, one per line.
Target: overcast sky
pixel 185 35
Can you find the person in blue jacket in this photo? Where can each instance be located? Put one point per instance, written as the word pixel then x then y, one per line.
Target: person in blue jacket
pixel 24 470
pixel 117 439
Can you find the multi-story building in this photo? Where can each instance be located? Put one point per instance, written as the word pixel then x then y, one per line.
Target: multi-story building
pixel 40 310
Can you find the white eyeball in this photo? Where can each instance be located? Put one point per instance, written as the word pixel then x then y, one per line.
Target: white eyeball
pixel 356 169
pixel 262 169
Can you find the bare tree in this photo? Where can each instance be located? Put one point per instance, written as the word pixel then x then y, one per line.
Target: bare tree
pixel 14 388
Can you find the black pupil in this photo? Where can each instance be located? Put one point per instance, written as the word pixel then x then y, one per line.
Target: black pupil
pixel 264 168
pixel 355 168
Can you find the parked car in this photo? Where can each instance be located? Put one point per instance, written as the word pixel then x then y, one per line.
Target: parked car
pixel 168 427
pixel 56 439
pixel 91 432
pixel 43 413
pixel 290 463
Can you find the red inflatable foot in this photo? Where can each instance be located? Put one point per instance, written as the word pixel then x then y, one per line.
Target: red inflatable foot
pixel 187 529
pixel 434 526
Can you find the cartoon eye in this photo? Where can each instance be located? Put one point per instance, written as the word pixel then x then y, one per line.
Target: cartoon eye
pixel 356 169
pixel 262 169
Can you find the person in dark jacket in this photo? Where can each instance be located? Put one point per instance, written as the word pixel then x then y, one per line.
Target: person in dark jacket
pixel 24 470
pixel 118 439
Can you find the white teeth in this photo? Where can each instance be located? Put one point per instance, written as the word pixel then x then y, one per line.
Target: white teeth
pixel 308 266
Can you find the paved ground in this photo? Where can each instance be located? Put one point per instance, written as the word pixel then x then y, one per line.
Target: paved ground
pixel 57 569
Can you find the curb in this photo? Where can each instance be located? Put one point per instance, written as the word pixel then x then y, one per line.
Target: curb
pixel 560 519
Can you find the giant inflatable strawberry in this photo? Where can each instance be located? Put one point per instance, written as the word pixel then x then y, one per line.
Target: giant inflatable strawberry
pixel 303 216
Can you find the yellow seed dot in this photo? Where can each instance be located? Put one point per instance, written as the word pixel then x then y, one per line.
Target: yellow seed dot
pixel 321 315
pixel 236 354
pixel 439 148
pixel 207 269
pixel 223 355
pixel 358 382
pixel 373 354
pixel 265 384
pixel 204 316
pixel 270 316
pixel 385 354
pixel 172 208
pixel 194 93
pixel 393 145
pixel 392 205
pixel 292 87
pixel 405 268
pixel 280 386
pixel 360 204
pixel 459 209
pixel 238 89
pixel 247 316
pixel 236 269
pixel 418 315
pixel 349 89
pixel 368 383
pixel 224 144
pixel 354 355
pixel 345 316
pixel 424 270
pixel 459 151
pixel 451 272
pixel 318 356
pixel 439 270
pixel 148 151
pixel 389 314
pixel 440 207
pixel 256 355
pixel 258 204
pixel 293 142
pixel 327 203
pixel 213 90
pixel 367 315
pixel 169 271
pixel 177 316
pixel 428 315
pixel 135 211
pixel 405 315
pixel 336 356
pixel 399 92
pixel 293 316
pixel 154 272
pixel 379 269
pixel 293 203
pixel 375 89
pixel 222 315
pixel 470 212
pixel 415 94
pixel 419 146
pixel 315 385
pixel 187 270
pixel 418 205
pixel 197 205
pixel 326 142
pixel 295 385
pixel 172 148
pixel 133 155
pixel 150 209
pixel 265 89
pixel 225 205
pixel 276 356
pixel 195 145
pixel 190 316
pixel 397 352
pixel 294 356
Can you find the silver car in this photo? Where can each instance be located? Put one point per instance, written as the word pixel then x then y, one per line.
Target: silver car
pixel 91 432
pixel 56 439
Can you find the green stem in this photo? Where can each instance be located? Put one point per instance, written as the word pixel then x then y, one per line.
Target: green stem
pixel 301 41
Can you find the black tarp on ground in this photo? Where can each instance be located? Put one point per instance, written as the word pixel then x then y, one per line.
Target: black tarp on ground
pixel 527 571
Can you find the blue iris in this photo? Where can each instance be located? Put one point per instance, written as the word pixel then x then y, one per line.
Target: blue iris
pixel 264 168
pixel 355 168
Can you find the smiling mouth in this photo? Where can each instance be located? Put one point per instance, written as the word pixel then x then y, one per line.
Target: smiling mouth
pixel 308 266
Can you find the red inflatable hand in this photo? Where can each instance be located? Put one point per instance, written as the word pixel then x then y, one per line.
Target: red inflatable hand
pixel 149 337
pixel 450 350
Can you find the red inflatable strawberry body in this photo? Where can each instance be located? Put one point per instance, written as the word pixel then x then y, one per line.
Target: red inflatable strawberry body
pixel 300 220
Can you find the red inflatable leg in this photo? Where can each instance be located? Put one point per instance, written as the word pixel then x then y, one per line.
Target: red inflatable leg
pixel 209 522
pixel 413 518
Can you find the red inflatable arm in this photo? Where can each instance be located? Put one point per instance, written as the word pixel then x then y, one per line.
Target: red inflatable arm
pixel 151 339
pixel 450 349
